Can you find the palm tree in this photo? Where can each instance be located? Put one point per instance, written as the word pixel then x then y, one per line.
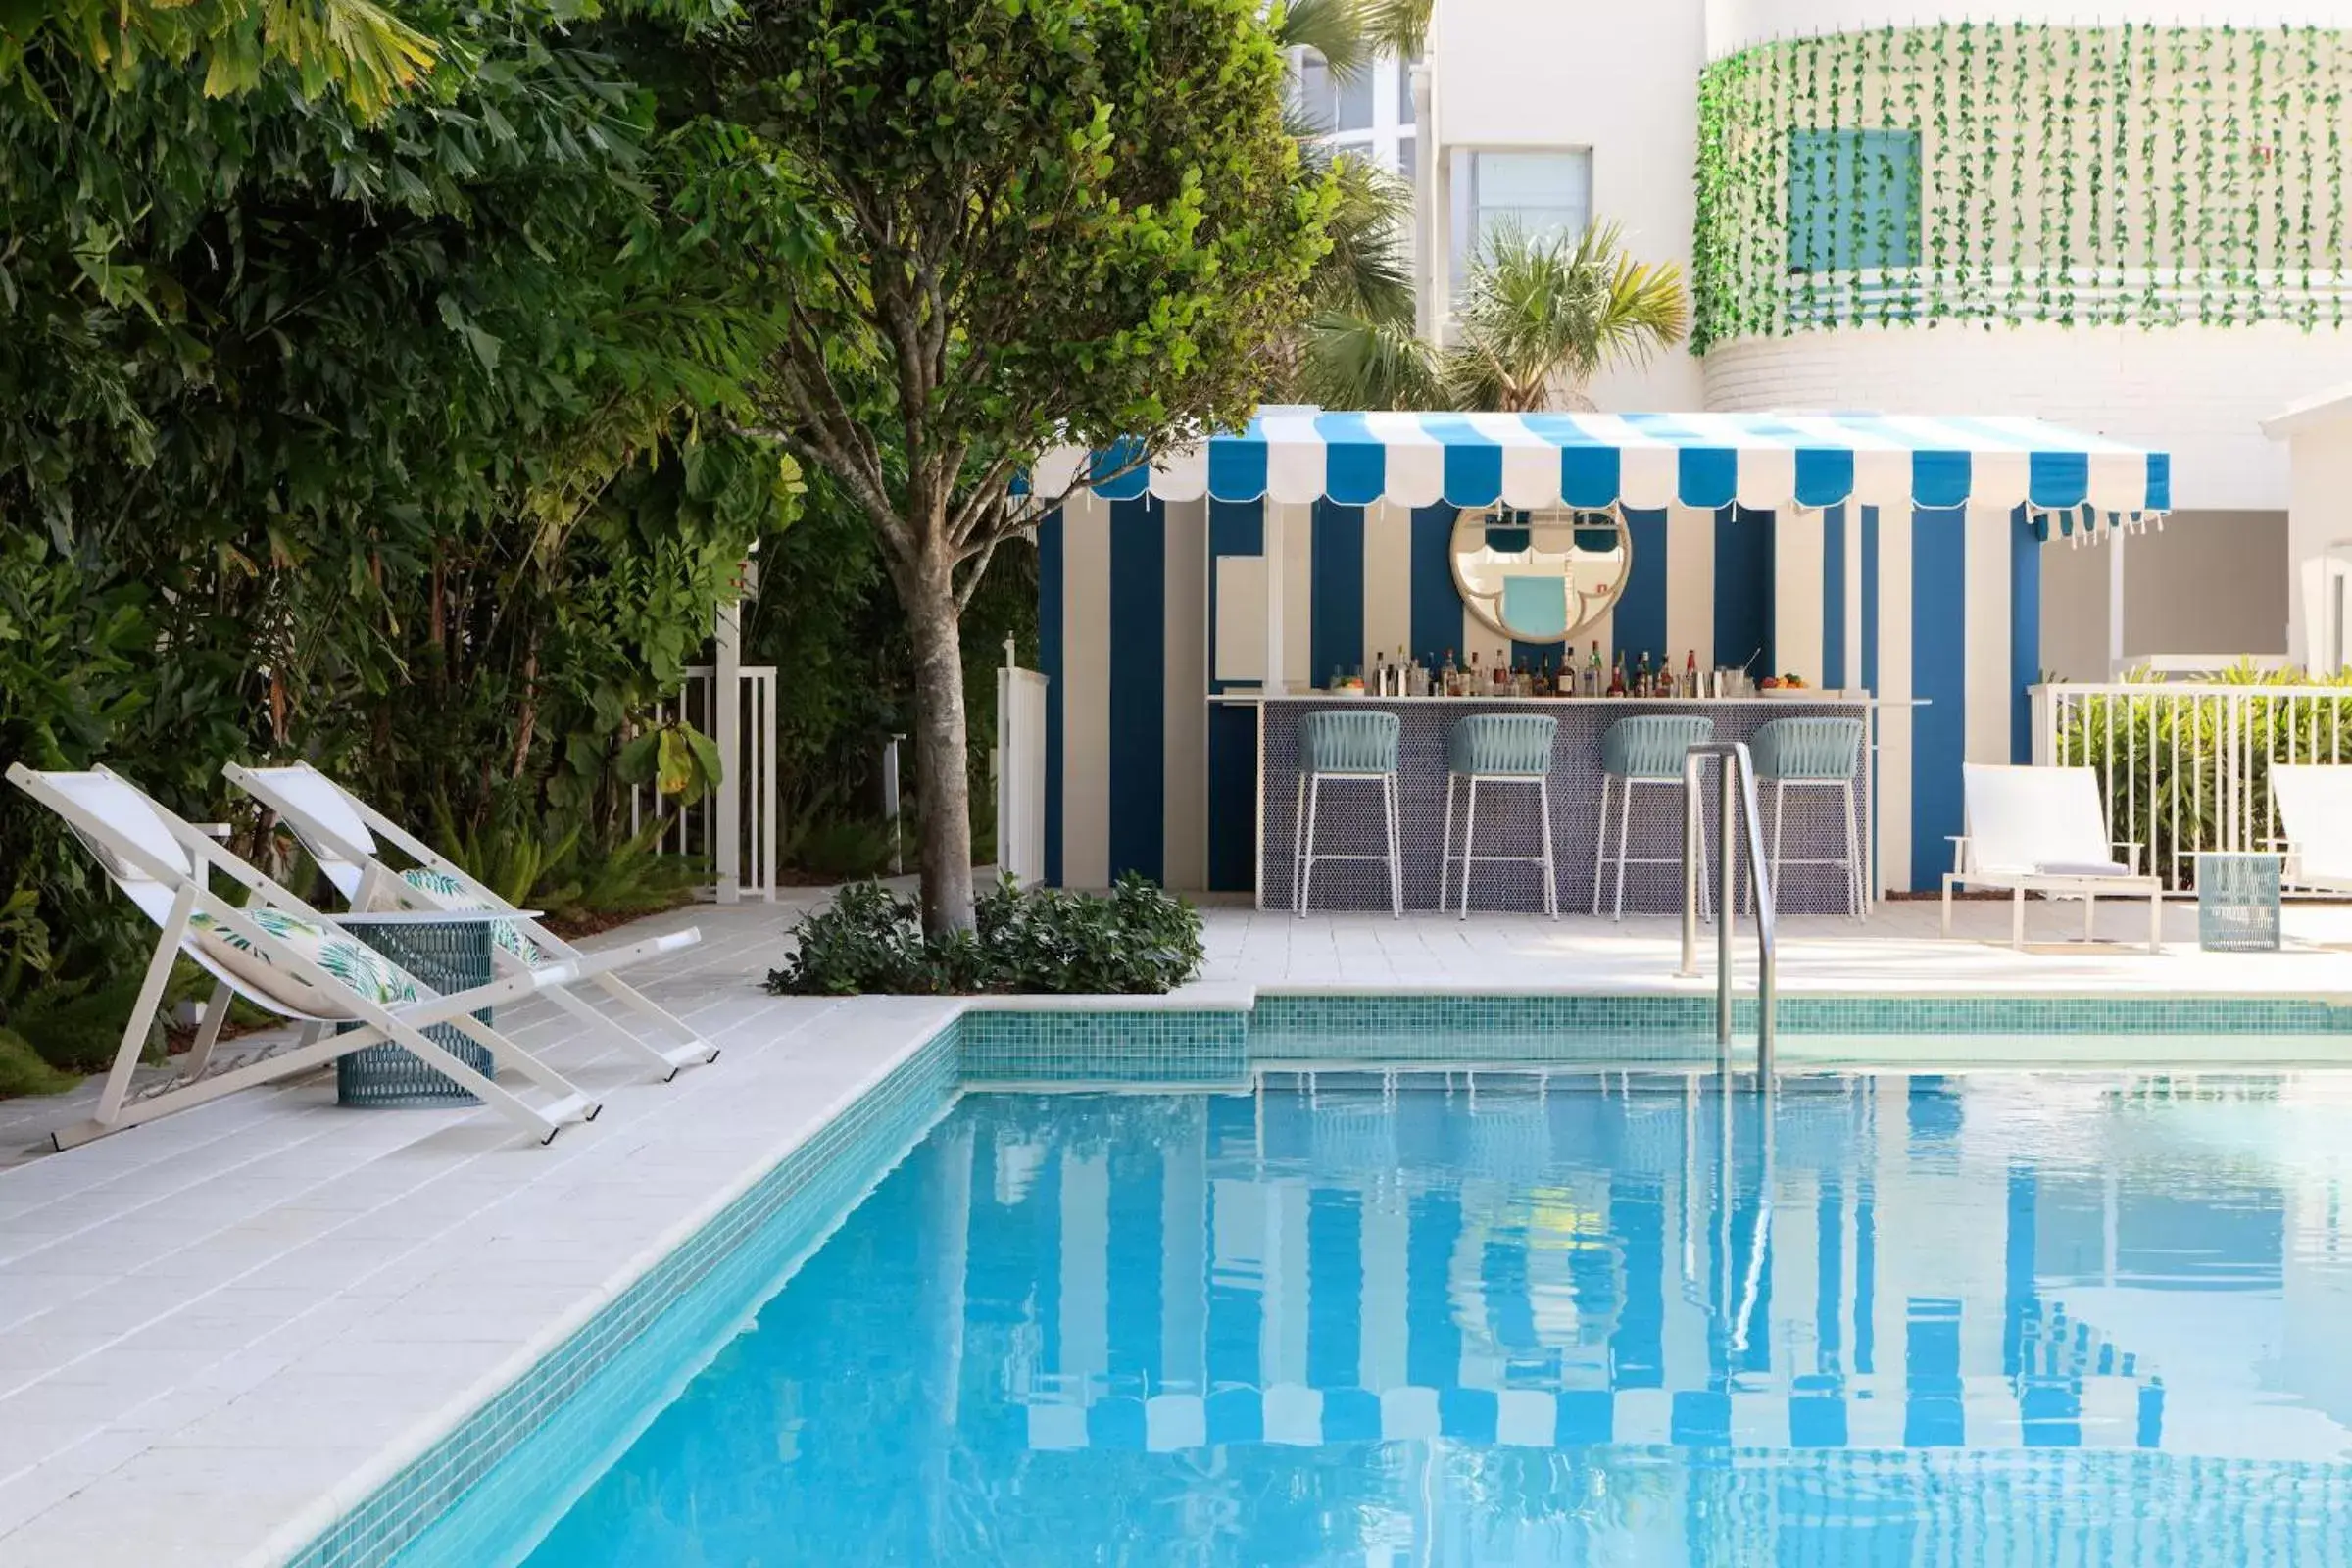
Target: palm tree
pixel 1363 284
pixel 1539 317
pixel 1542 317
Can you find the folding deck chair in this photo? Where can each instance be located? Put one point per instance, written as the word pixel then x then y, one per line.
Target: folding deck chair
pixel 285 957
pixel 2041 830
pixel 2314 824
pixel 341 831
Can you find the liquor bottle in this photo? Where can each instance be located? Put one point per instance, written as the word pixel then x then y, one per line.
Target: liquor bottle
pixel 1617 676
pixel 1474 679
pixel 1690 675
pixel 1645 684
pixel 1564 675
pixel 1449 679
pixel 1592 681
pixel 1498 675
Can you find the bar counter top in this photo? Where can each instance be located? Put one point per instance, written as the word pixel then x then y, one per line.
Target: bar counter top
pixel 1788 696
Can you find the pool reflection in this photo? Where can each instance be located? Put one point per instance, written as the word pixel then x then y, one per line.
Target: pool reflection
pixel 1546 1318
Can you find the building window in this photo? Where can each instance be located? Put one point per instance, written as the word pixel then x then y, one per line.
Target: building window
pixel 1314 89
pixel 1369 118
pixel 1540 195
pixel 1853 200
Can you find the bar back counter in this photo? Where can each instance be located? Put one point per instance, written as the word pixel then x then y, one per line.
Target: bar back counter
pixel 1812 824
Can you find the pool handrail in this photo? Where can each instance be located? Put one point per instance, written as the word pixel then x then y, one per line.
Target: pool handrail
pixel 1738 791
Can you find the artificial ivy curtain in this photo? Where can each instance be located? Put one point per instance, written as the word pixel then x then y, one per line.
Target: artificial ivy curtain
pixel 2095 175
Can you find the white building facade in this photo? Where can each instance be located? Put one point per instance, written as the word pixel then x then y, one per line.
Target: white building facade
pixel 2130 221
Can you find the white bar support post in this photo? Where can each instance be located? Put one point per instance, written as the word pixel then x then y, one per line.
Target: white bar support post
pixel 1277 674
pixel 726 712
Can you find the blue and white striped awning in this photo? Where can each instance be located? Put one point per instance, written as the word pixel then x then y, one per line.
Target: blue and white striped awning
pixel 1764 462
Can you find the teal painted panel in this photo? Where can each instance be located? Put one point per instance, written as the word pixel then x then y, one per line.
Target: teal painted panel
pixel 1853 200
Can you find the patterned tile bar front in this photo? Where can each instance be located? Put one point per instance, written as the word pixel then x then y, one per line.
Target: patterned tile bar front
pixel 1348 819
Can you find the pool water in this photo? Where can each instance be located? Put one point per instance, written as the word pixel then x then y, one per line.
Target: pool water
pixel 2027 1318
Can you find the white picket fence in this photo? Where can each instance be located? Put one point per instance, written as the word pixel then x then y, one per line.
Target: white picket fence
pixel 2186 766
pixel 743 863
pixel 1020 768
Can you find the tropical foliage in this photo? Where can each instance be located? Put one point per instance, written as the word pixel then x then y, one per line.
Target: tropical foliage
pixel 367 395
pixel 398 387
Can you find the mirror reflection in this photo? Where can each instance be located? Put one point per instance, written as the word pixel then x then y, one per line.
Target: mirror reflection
pixel 1539 576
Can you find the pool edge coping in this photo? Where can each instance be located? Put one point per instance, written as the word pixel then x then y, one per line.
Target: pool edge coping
pixel 319 1519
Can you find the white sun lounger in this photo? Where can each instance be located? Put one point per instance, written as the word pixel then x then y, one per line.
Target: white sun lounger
pixel 285 957
pixel 2042 830
pixel 342 832
pixel 2314 824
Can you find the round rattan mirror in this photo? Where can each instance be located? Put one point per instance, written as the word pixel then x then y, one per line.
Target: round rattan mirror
pixel 1541 576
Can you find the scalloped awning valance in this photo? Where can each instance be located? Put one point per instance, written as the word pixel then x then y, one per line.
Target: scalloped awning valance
pixel 2068 482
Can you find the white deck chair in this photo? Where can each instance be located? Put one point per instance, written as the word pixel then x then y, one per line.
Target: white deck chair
pixel 283 955
pixel 342 832
pixel 2042 830
pixel 2314 824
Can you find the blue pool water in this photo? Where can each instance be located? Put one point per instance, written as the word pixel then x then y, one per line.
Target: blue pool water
pixel 1989 1319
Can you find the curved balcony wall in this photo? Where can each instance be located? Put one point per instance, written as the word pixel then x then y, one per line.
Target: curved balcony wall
pixel 2013 172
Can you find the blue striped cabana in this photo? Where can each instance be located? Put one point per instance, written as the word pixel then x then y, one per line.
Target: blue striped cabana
pixel 1882 552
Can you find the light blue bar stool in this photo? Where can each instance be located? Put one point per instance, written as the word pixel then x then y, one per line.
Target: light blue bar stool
pixel 1499 749
pixel 1643 751
pixel 1811 754
pixel 1345 748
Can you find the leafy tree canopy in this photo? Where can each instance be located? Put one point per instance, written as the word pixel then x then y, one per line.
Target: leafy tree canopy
pixel 1003 225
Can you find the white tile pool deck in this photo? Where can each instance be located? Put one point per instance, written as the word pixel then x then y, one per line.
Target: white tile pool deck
pixel 219 1331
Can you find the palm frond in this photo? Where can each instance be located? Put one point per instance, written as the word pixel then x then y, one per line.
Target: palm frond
pixel 1366 271
pixel 1334 28
pixel 1399 26
pixel 1541 315
pixel 1349 361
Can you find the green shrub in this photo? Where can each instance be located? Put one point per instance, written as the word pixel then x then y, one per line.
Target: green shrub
pixel 1136 938
pixel 24 1072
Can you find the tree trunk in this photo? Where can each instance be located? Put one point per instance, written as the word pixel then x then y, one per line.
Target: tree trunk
pixel 942 783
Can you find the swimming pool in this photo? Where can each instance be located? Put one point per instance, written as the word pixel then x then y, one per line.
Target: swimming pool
pixel 1571 1316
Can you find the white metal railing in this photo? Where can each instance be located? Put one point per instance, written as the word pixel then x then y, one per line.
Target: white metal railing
pixel 2184 766
pixel 1020 768
pixel 743 863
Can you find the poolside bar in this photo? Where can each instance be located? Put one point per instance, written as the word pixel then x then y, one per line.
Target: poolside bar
pixel 1198 613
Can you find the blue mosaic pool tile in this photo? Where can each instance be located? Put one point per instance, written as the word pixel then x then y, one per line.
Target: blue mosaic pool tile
pixel 1122 1045
pixel 1418 1028
pixel 780 1219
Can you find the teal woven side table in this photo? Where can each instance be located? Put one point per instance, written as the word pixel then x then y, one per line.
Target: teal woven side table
pixel 1499 749
pixel 1643 751
pixel 1345 747
pixel 450 950
pixel 1811 754
pixel 2237 901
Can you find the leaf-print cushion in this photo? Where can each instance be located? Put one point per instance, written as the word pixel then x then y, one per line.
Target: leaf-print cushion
pixel 358 966
pixel 451 894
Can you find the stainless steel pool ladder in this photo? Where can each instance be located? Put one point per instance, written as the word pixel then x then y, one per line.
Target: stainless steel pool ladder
pixel 1739 803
